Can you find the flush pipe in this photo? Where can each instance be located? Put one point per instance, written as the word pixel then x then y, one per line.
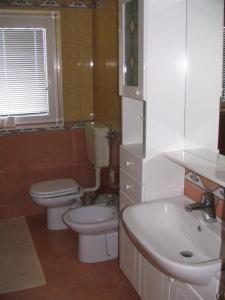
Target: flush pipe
pixel 97 181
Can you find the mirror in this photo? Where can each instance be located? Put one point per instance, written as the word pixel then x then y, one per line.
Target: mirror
pixel 204 50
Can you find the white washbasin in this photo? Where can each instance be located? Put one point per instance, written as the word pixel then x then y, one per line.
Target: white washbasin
pixel 165 233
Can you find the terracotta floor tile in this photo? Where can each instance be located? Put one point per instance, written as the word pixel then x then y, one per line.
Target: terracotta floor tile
pixel 67 278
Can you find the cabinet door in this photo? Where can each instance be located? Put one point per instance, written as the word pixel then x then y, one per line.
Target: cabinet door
pixel 131 48
pixel 129 256
pixel 152 282
pixel 182 291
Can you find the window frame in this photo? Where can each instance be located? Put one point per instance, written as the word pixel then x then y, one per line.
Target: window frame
pixel 51 21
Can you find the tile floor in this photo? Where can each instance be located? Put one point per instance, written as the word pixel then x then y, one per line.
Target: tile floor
pixel 67 278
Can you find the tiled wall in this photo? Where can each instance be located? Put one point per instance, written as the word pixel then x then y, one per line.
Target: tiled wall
pixel 76 35
pixel 27 158
pixel 89 37
pixel 77 70
pixel 195 185
pixel 105 55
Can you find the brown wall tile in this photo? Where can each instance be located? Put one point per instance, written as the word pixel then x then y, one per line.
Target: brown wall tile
pixel 220 209
pixel 33 157
pixel 77 60
pixel 208 184
pixel 105 53
pixel 188 189
pixel 195 193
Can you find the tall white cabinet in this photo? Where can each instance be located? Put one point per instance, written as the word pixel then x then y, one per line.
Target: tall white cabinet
pixel 153 86
pixel 150 77
pixel 156 67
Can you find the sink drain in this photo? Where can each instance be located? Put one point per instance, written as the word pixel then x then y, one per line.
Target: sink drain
pixel 186 253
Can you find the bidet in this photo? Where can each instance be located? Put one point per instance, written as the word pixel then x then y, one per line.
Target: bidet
pixel 97 228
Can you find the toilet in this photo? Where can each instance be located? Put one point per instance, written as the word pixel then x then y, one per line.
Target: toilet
pixel 61 194
pixel 97 228
pixel 58 196
pixel 96 225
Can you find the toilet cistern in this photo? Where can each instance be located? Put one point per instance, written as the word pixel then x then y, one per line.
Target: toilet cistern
pixel 207 206
pixel 97 150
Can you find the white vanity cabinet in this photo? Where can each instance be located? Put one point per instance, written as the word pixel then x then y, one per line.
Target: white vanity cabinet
pixel 129 257
pixel 181 291
pixel 131 192
pixel 154 285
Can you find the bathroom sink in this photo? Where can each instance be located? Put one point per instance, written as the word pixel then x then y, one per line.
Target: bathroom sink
pixel 181 244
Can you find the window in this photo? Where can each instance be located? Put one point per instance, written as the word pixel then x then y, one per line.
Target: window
pixel 30 90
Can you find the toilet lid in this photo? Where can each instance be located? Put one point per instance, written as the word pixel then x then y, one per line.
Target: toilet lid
pixel 55 187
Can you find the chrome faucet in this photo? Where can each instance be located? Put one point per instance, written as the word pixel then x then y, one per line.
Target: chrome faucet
pixel 207 206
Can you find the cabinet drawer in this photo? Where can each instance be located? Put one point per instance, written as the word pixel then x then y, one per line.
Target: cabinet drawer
pixel 130 187
pixel 131 164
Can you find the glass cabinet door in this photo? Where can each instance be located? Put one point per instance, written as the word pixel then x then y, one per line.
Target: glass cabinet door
pixel 131 48
pixel 131 43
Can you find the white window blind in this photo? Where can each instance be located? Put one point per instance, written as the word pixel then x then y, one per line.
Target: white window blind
pixel 23 73
pixel 29 63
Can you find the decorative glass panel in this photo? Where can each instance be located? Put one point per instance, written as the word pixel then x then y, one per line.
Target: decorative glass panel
pixel 131 43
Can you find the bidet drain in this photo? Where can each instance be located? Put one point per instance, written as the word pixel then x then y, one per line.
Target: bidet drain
pixel 186 253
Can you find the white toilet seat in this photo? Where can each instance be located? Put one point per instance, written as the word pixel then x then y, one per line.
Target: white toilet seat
pixel 58 196
pixel 53 188
pixel 54 193
pixel 57 201
pixel 92 219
